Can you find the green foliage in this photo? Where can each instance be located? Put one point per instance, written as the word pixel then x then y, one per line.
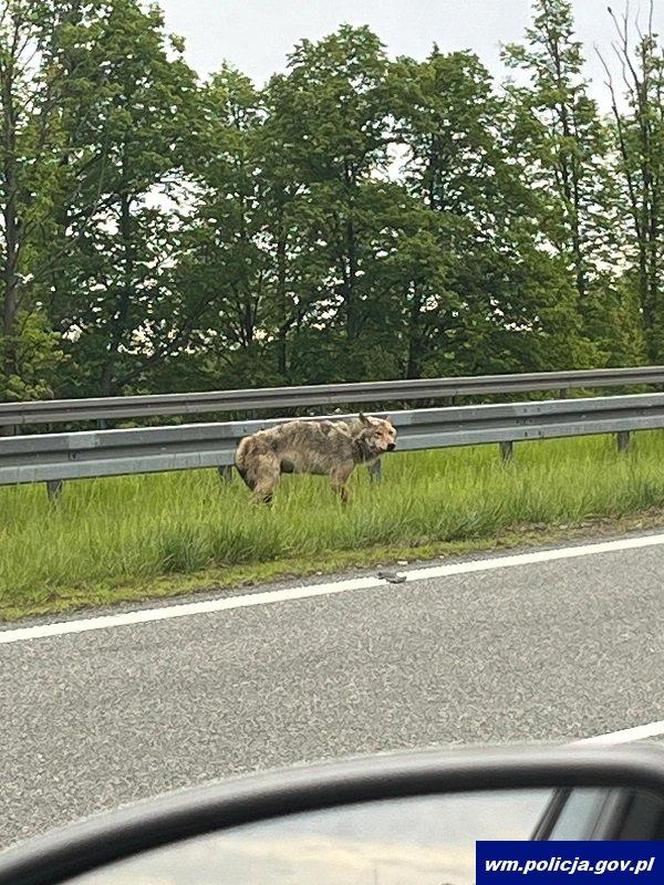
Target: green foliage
pixel 114 298
pixel 356 218
pixel 638 141
pixel 506 302
pixel 36 354
pixel 562 143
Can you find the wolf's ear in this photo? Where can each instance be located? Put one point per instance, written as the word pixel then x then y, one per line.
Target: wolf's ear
pixel 363 418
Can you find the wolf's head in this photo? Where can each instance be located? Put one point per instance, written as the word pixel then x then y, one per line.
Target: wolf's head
pixel 378 434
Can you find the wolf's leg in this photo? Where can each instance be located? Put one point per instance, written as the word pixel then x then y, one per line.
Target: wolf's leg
pixel 339 477
pixel 266 478
pixel 246 477
pixel 375 470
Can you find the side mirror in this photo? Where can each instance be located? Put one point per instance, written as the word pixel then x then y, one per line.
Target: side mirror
pixel 420 813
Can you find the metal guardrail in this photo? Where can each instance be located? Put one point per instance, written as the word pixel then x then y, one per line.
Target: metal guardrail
pixel 62 456
pixel 275 398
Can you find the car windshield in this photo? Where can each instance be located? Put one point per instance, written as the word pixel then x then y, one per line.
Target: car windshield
pixel 331 389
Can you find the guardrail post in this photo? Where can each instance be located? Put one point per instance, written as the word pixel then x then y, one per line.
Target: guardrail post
pixel 623 440
pixel 54 488
pixel 226 473
pixel 375 471
pixel 506 451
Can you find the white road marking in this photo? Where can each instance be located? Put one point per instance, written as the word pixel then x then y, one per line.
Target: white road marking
pixel 182 610
pixel 626 735
pixel 144 616
pixel 481 565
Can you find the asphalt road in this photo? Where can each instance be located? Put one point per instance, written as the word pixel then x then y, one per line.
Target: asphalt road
pixel 549 650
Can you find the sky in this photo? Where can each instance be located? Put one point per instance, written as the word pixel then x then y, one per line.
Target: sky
pixel 257 35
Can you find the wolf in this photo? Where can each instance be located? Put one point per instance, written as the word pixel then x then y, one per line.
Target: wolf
pixel 330 448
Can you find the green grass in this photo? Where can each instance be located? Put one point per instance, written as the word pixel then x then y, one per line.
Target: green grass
pixel 129 537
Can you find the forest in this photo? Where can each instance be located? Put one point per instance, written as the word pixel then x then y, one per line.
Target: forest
pixel 357 217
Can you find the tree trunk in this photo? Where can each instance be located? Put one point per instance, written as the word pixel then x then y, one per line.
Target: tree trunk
pixel 352 318
pixel 282 307
pixel 415 355
pixel 118 319
pixel 10 279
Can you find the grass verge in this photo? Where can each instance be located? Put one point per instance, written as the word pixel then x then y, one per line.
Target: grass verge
pixel 131 538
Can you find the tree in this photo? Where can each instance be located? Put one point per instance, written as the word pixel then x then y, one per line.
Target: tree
pixel 494 312
pixel 224 257
pixel 115 300
pixel 295 264
pixel 639 140
pixel 36 165
pixel 332 111
pixel 564 148
pixel 559 132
